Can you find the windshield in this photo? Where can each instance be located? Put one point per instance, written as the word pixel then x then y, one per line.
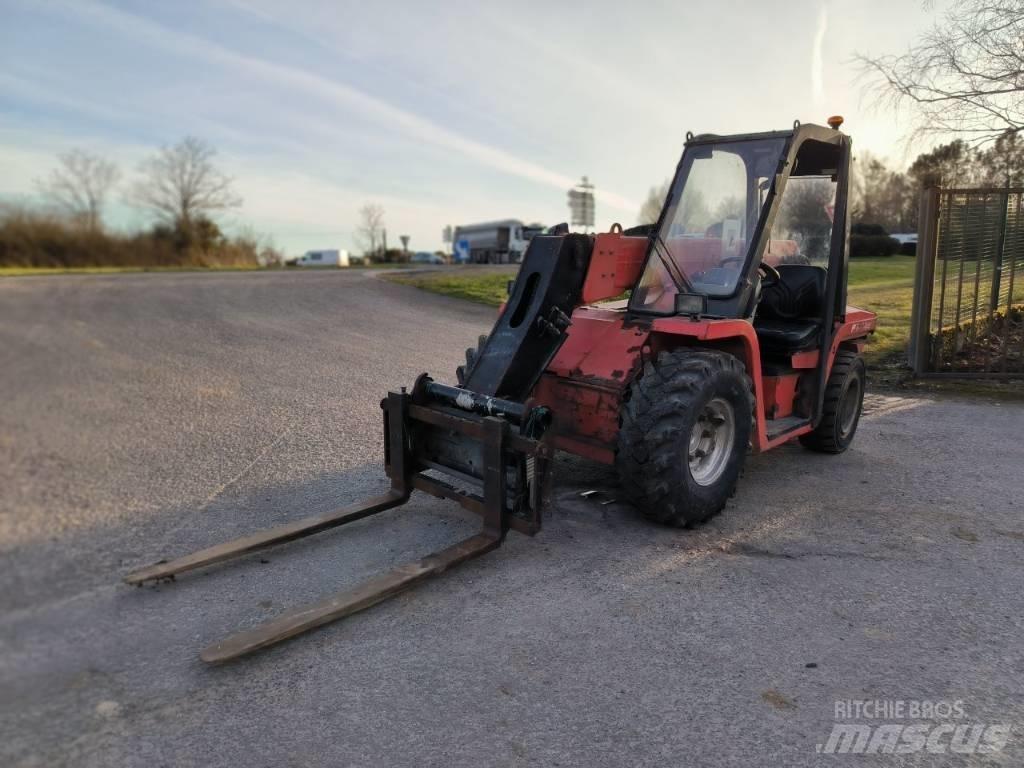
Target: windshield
pixel 714 205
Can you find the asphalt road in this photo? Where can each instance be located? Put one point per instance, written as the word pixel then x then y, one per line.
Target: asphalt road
pixel 149 415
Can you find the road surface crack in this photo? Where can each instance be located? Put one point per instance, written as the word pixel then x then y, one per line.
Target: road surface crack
pixel 743 549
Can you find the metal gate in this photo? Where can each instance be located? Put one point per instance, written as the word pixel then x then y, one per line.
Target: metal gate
pixel 968 312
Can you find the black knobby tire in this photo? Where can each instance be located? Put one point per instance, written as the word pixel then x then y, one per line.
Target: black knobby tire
pixel 463 371
pixel 844 400
pixel 667 410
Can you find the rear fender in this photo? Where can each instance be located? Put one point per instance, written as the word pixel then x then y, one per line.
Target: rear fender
pixel 852 333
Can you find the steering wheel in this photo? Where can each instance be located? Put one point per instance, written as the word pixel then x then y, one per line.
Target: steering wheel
pixel 771 274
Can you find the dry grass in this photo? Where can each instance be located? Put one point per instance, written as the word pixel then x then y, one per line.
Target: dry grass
pixel 32 271
pixel 30 240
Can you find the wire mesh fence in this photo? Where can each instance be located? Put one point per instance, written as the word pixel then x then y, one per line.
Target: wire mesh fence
pixel 969 291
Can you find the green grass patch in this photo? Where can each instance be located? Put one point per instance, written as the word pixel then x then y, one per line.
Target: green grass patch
pixel 881 269
pixel 489 288
pixel 884 285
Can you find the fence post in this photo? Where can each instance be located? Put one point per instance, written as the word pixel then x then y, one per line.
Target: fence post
pixel 997 264
pixel 919 350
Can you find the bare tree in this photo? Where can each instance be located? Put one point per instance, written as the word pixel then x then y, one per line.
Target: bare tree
pixel 371 228
pixel 1002 164
pixel 80 185
pixel 651 209
pixel 965 76
pixel 881 195
pixel 181 184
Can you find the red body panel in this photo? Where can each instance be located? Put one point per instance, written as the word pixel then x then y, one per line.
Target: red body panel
pixel 780 395
pixel 615 265
pixel 584 383
pixel 806 359
pixel 585 416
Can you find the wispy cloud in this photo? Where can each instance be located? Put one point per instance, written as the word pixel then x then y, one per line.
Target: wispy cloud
pixel 37 92
pixel 337 94
pixel 817 59
pixel 319 106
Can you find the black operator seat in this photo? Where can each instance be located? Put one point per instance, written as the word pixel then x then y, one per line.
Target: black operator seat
pixel 789 314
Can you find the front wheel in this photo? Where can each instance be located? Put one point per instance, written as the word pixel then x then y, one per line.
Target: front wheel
pixel 844 400
pixel 684 435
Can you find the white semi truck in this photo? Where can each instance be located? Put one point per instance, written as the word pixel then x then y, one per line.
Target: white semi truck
pixel 493 242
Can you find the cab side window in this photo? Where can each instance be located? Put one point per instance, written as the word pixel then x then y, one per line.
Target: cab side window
pixel 802 232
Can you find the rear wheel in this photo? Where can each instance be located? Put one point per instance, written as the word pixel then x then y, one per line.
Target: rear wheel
pixel 684 435
pixel 844 399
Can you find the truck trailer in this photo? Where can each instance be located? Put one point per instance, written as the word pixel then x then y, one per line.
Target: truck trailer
pixel 493 242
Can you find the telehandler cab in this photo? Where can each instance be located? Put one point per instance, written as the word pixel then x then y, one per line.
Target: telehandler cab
pixel 736 336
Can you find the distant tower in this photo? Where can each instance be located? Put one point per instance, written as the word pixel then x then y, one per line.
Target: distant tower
pixel 581 205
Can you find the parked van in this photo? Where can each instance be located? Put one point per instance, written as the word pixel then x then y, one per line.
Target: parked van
pixel 325 258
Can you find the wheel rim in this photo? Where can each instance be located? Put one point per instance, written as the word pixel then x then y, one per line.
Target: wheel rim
pixel 850 407
pixel 711 441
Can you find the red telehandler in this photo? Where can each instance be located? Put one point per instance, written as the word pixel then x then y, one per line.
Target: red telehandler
pixel 736 336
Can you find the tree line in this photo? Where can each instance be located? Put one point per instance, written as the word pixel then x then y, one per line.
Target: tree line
pixel 180 186
pixel 890 198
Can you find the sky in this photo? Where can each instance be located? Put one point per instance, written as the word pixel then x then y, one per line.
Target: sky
pixel 441 113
